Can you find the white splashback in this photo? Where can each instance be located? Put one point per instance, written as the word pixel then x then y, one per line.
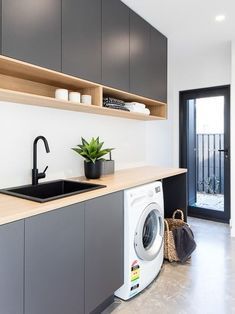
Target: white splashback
pixel 20 124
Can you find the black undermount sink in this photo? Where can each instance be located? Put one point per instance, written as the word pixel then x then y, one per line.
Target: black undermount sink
pixel 49 191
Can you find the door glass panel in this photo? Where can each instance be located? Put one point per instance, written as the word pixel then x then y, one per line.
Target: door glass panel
pixel 210 153
pixel 150 230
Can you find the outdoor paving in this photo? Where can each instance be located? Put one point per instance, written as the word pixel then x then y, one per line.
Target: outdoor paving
pixel 210 201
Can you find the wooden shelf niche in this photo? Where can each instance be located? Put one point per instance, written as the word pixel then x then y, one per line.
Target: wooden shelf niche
pixel 158 110
pixel 28 84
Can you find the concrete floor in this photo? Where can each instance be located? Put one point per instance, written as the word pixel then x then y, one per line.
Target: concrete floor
pixel 204 285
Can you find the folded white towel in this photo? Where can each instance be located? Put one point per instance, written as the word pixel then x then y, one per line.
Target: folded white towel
pixel 147 111
pixel 137 104
pixel 132 106
pixel 140 110
pixel 129 106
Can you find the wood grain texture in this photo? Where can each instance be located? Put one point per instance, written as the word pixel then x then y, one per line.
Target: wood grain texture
pixel 96 94
pixel 20 69
pixel 130 97
pixel 16 84
pixel 13 208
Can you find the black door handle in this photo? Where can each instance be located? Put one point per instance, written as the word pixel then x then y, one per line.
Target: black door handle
pixel 223 151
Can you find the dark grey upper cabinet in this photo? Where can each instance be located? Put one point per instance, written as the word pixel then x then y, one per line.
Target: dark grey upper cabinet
pixel 103 248
pixel 81 38
pixel 31 31
pixel 158 69
pixel 12 268
pixel 54 262
pixel 115 44
pixel 98 40
pixel 139 55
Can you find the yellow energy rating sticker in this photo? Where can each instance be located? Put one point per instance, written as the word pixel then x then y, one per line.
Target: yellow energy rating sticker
pixel 135 273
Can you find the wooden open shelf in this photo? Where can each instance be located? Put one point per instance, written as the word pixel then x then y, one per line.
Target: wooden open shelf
pixel 158 110
pixel 28 84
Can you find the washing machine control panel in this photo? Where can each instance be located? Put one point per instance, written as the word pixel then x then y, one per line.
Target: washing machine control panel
pixel 157 189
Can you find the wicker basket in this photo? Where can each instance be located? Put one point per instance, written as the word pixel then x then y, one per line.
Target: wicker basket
pixel 169 243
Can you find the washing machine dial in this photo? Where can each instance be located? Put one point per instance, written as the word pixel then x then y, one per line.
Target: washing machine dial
pixel 150 193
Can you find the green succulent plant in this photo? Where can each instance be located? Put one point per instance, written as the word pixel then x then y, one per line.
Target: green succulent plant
pixel 91 151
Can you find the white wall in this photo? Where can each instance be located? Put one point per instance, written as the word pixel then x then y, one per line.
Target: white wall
pixel 136 143
pixel 192 69
pixel 232 121
pixel 159 142
pixel 20 124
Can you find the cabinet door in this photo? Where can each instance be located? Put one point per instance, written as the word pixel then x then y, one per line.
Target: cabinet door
pixel 139 55
pixel 158 59
pixel 31 31
pixel 115 44
pixel 81 38
pixel 12 268
pixel 103 248
pixel 54 262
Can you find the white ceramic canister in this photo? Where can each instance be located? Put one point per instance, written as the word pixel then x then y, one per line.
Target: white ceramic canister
pixel 62 94
pixel 75 97
pixel 86 99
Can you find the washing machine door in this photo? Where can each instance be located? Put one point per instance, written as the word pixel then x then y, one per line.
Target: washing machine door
pixel 149 233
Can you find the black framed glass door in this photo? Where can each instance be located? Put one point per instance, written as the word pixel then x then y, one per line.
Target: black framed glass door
pixel 204 150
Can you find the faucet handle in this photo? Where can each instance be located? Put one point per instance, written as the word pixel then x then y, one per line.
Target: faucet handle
pixel 44 171
pixel 42 175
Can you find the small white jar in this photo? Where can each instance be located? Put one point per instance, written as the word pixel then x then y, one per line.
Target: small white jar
pixel 75 97
pixel 62 94
pixel 86 99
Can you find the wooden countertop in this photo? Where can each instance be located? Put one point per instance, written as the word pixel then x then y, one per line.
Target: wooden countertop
pixel 13 208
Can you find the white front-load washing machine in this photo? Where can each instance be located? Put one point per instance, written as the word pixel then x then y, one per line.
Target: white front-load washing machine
pixel 143 237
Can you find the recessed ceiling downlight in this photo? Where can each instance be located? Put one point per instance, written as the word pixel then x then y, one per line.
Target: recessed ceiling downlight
pixel 220 18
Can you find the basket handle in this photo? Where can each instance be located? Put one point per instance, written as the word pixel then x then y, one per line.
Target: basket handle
pixel 180 212
pixel 166 225
pixel 167 230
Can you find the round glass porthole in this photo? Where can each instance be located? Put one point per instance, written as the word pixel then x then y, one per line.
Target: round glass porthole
pixel 149 233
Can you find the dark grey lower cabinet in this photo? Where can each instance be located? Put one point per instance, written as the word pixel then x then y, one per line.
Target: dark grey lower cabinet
pixel 69 260
pixel 103 248
pixel 54 262
pixel 12 268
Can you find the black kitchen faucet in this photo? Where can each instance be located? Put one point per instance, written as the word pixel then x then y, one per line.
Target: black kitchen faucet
pixel 35 174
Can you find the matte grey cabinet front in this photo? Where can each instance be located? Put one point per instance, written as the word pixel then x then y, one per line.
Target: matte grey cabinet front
pixel 81 38
pixel 158 69
pixel 12 268
pixel 54 262
pixel 103 248
pixel 31 31
pixel 115 44
pixel 139 55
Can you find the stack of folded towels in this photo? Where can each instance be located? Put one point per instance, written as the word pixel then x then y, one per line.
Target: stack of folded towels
pixel 114 103
pixel 137 107
pixel 110 102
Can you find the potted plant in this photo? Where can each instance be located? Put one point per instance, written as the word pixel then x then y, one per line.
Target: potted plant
pixel 92 152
